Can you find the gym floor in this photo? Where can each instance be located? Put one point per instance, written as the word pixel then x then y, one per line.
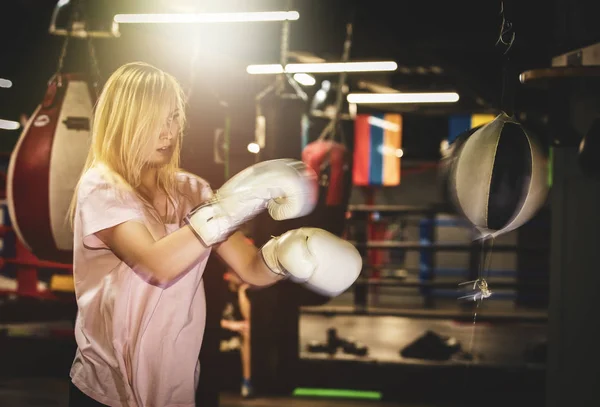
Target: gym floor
pixel 33 366
pixel 35 357
pixel 53 393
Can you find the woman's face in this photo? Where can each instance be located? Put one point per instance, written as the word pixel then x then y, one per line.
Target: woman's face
pixel 164 146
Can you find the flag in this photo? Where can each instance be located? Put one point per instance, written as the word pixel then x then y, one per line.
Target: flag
pixel 377 149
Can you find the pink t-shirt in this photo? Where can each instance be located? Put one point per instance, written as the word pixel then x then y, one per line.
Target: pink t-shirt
pixel 138 344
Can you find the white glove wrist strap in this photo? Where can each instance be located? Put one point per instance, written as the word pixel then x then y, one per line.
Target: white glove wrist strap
pixel 269 256
pixel 210 224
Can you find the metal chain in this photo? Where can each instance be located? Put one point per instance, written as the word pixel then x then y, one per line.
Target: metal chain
pixel 95 67
pixel 505 43
pixel 284 46
pixel 507 32
pixel 63 52
pixel 285 43
pixel 96 75
pixel 334 127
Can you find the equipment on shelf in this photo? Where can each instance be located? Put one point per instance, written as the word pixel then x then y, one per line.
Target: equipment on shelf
pixel 334 342
pixel 432 346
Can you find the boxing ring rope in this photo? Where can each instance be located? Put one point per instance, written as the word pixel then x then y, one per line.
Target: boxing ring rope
pixel 373 246
pixel 27 267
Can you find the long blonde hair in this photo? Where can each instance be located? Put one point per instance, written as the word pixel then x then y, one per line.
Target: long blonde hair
pixel 128 116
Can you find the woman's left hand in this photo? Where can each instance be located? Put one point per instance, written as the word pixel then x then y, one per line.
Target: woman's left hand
pixel 239 326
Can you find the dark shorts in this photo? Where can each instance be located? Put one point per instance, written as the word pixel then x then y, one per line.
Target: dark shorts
pixel 79 399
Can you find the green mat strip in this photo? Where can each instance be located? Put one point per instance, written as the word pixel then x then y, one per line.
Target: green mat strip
pixel 338 393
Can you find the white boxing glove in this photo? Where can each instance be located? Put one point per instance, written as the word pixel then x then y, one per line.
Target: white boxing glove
pixel 287 188
pixel 320 260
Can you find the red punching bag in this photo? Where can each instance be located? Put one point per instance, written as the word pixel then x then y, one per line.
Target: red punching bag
pixel 46 164
pixel 329 159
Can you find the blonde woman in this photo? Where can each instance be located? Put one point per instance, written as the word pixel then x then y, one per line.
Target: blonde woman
pixel 143 231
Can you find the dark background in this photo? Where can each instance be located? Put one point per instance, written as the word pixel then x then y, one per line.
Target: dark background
pixel 457 37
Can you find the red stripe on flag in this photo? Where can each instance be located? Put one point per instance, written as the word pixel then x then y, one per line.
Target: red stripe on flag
pixel 362 150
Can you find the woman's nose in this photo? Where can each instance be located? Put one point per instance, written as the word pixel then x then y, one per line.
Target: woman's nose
pixel 166 134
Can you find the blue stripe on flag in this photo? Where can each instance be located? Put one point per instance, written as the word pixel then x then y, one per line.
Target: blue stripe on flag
pixel 376 164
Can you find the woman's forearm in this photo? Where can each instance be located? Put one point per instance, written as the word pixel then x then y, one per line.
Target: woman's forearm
pixel 246 261
pixel 259 272
pixel 160 260
pixel 165 259
pixel 174 254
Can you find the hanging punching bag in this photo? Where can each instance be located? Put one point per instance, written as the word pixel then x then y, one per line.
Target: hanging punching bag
pixel 460 128
pixel 499 177
pixel 500 174
pixel 449 154
pixel 46 164
pixel 329 159
pixel 447 162
pixel 329 154
pixel 283 118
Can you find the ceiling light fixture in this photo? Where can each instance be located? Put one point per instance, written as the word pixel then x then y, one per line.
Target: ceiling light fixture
pixel 393 98
pixel 325 67
pixel 305 79
pixel 9 125
pixel 254 148
pixel 186 18
pixel 5 83
pixel 264 69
